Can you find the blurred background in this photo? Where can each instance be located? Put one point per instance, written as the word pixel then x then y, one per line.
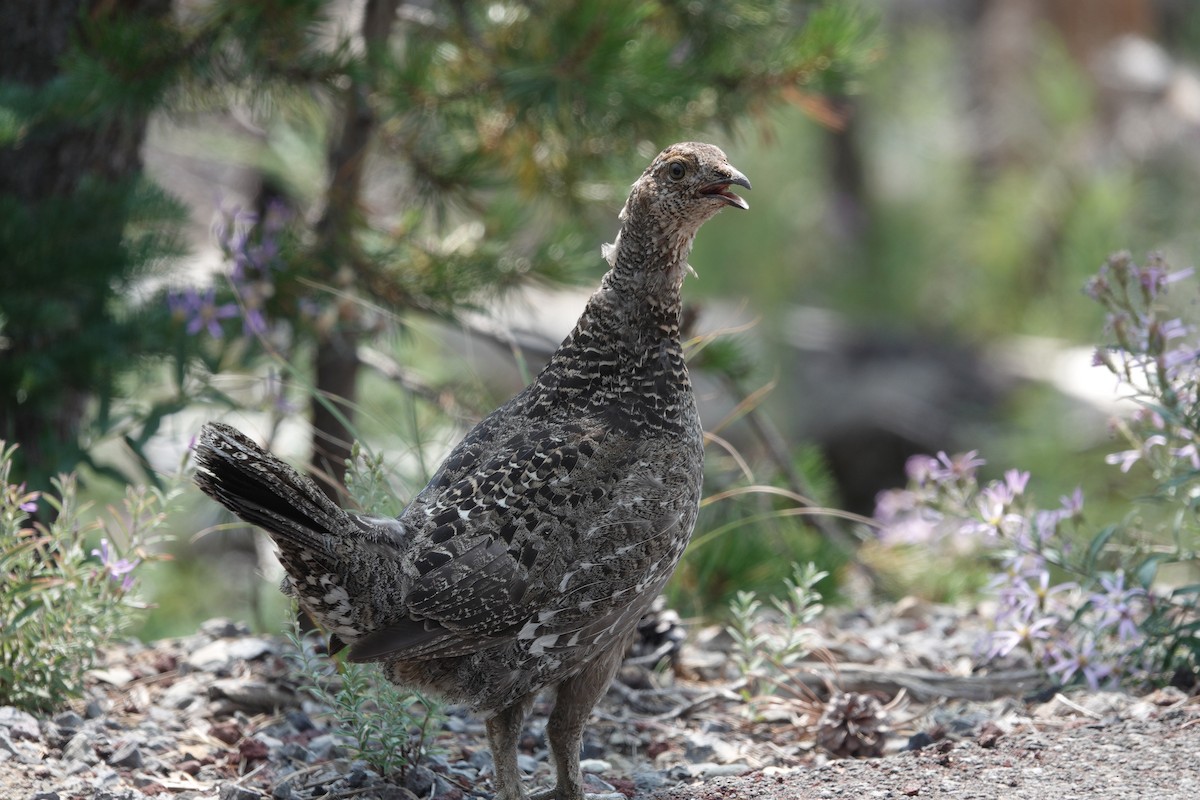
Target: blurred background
pixel 324 221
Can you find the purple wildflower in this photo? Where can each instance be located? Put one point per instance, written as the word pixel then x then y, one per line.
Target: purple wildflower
pixel 1080 659
pixel 120 569
pixel 200 311
pixel 960 466
pixel 1003 642
pixel 1016 481
pixel 920 468
pixel 1114 606
pixel 27 502
pixel 1125 459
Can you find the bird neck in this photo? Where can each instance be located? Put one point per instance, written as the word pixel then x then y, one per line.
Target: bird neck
pixel 624 358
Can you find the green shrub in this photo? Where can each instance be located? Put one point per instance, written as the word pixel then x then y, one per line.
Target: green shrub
pixel 66 588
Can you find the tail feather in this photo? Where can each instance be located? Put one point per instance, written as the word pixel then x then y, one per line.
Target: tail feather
pixel 264 491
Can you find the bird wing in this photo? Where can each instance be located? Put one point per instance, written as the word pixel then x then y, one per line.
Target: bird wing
pixel 479 529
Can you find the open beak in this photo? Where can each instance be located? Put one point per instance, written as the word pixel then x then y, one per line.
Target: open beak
pixel 721 191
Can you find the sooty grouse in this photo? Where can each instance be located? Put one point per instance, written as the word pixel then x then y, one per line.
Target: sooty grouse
pixel 532 553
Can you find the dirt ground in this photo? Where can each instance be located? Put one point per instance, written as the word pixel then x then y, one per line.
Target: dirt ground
pixel 1157 758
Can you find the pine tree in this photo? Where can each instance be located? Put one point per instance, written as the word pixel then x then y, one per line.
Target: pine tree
pixel 502 118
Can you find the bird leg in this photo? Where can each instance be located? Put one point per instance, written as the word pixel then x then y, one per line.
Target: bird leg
pixel 504 731
pixel 573 703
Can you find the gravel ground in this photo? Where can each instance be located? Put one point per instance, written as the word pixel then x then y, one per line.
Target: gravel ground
pixel 1091 759
pixel 222 715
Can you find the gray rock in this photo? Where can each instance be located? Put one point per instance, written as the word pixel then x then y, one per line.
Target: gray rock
pixel 68 722
pixel 128 755
pixel 594 765
pixel 481 759
pixel 252 695
pixel 113 676
pixel 103 776
pixel 231 791
pixel 218 653
pixel 527 763
pixel 648 780
pixel 594 786
pixel 325 746
pixel 80 748
pixel 711 770
pixel 223 628
pixel 20 724
pixel 703 747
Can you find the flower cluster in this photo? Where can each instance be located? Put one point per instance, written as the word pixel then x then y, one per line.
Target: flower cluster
pixel 1099 626
pixel 251 250
pixel 1156 357
pixel 1066 630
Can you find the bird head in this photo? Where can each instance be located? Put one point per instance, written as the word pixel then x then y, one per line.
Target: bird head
pixel 684 187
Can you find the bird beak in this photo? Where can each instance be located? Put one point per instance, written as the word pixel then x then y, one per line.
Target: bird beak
pixel 721 191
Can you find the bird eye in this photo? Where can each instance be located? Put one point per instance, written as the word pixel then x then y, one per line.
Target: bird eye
pixel 676 170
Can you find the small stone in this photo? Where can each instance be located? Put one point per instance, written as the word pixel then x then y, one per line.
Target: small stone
pixel 480 759
pixel 253 749
pixel 191 766
pixel 420 781
pixel 103 776
pixel 227 732
pixel 80 748
pixel 113 676
pixel 299 721
pixel 718 770
pixel 648 780
pixel 220 628
pixel 251 695
pixel 20 724
pixel 594 765
pixel 595 786
pixel 293 751
pixel 231 791
pixel 211 657
pixel 324 747
pixel 68 721
pixel 707 747
pixel 127 754
pixel 45 796
pixel 528 764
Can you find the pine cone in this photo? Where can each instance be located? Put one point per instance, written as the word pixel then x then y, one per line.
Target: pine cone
pixel 660 635
pixel 853 726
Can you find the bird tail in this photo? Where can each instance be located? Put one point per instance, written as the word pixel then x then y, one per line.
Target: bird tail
pixel 264 491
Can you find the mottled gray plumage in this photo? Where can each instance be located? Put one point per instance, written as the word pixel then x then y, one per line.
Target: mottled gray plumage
pixel 548 531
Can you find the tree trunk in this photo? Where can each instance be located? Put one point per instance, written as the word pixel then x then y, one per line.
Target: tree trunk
pixel 50 163
pixel 336 358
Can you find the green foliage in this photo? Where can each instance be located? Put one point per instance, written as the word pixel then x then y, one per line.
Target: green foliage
pixel 367 483
pixel 767 643
pixel 69 333
pixel 60 602
pixel 388 727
